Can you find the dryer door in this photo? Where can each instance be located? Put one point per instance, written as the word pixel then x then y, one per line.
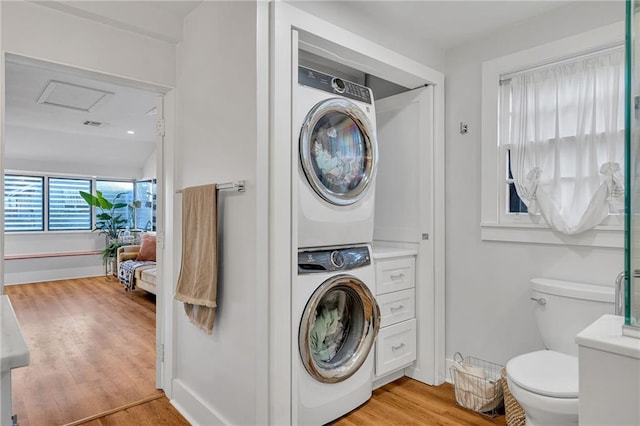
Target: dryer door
pixel 338 328
pixel 338 151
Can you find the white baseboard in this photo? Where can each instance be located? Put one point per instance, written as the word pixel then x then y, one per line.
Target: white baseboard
pixel 381 381
pixel 192 408
pixel 52 275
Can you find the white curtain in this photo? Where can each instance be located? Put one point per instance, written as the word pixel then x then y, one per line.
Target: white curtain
pixel 566 138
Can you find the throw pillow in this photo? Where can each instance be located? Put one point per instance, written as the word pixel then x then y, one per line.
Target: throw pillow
pixel 147 248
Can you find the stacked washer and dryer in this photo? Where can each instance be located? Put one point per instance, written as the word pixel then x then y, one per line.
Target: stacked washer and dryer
pixel 335 315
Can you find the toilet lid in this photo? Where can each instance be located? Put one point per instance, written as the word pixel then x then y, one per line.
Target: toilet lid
pixel 547 373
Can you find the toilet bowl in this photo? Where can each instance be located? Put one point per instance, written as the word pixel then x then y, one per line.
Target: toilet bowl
pixel 545 382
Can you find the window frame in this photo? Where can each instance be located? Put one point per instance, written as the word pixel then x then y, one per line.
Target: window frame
pixel 45 179
pixel 44 217
pixel 47 203
pixel 496 224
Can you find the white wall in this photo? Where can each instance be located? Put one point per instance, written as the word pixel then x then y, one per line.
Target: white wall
pixel 32 30
pixel 488 311
pixel 104 170
pixel 43 33
pixel 150 168
pixel 216 129
pixel 351 16
pixel 21 271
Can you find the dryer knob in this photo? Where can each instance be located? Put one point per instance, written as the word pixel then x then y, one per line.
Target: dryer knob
pixel 336 259
pixel 338 85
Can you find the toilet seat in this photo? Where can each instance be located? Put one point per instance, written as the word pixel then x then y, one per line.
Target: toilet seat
pixel 546 373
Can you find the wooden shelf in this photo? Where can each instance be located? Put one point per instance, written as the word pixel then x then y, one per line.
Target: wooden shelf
pixel 52 254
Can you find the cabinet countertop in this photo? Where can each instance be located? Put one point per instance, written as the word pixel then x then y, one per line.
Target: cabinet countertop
pixel 605 334
pixel 387 252
pixel 13 348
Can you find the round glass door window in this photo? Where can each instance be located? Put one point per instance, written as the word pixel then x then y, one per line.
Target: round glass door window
pixel 338 151
pixel 338 328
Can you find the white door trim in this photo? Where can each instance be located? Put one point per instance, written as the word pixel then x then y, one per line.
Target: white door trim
pixel 362 54
pixel 165 172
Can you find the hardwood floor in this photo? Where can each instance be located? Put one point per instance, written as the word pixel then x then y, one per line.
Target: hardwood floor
pixel 408 402
pixel 92 348
pixel 92 351
pixel 155 410
pixel 153 413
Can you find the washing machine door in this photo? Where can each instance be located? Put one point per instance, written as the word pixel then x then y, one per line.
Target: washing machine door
pixel 338 329
pixel 338 151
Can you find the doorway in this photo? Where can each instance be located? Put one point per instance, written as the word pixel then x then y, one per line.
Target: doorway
pixel 65 127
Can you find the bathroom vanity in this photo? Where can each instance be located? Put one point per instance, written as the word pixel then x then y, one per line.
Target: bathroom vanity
pixel 13 354
pixel 609 370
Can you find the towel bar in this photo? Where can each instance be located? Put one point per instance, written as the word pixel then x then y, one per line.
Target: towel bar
pixel 238 185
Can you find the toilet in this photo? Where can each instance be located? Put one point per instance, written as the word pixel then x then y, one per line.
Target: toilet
pixel 545 382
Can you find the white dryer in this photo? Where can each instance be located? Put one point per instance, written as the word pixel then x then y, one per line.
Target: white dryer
pixel 335 323
pixel 338 160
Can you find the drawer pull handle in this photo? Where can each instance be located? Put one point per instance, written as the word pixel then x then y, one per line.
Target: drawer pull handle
pixel 395 348
pixel 397 275
pixel 398 308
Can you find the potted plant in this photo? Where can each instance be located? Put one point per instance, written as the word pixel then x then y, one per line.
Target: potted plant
pixel 108 221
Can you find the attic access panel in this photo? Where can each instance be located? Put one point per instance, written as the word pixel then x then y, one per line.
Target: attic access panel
pixel 67 95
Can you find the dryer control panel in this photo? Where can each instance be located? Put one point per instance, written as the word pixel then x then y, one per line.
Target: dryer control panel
pixel 329 260
pixel 330 84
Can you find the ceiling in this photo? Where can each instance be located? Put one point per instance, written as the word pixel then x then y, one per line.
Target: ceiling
pixel 53 133
pixel 443 23
pixel 48 132
pixel 160 19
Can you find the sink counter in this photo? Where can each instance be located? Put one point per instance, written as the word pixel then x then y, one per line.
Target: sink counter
pixel 13 348
pixel 13 354
pixel 609 370
pixel 605 334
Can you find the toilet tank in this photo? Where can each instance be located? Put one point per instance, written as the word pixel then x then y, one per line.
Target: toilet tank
pixel 565 308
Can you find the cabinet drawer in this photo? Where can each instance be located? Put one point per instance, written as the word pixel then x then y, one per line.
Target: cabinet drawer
pixel 395 274
pixel 396 307
pixel 396 347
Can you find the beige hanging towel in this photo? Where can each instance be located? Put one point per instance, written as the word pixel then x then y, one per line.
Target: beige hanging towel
pixel 198 279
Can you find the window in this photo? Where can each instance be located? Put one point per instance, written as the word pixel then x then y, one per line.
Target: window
pixel 511 178
pixel 48 203
pixel 561 126
pixel 514 205
pixel 146 201
pixel 67 210
pixel 23 203
pixel 121 192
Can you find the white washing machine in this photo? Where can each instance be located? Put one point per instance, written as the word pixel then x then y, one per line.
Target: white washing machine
pixel 338 160
pixel 335 324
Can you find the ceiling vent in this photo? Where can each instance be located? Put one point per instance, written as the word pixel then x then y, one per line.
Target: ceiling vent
pixel 72 96
pixel 93 123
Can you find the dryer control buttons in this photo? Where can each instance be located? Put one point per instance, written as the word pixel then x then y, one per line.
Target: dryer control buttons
pixel 330 84
pixel 337 259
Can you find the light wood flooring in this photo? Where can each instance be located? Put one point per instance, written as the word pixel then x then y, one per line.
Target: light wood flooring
pixel 408 402
pixel 92 349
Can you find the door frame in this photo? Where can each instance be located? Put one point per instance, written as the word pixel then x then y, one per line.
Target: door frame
pixel 288 24
pixel 165 189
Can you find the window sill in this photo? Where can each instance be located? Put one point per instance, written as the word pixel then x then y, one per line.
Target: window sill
pixel 603 236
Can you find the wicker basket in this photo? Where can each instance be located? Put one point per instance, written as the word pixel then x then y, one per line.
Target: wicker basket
pixel 514 414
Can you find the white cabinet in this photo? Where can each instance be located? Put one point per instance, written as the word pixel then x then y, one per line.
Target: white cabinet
pixel 397 306
pixel 395 274
pixel 396 347
pixel 13 354
pixel 395 294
